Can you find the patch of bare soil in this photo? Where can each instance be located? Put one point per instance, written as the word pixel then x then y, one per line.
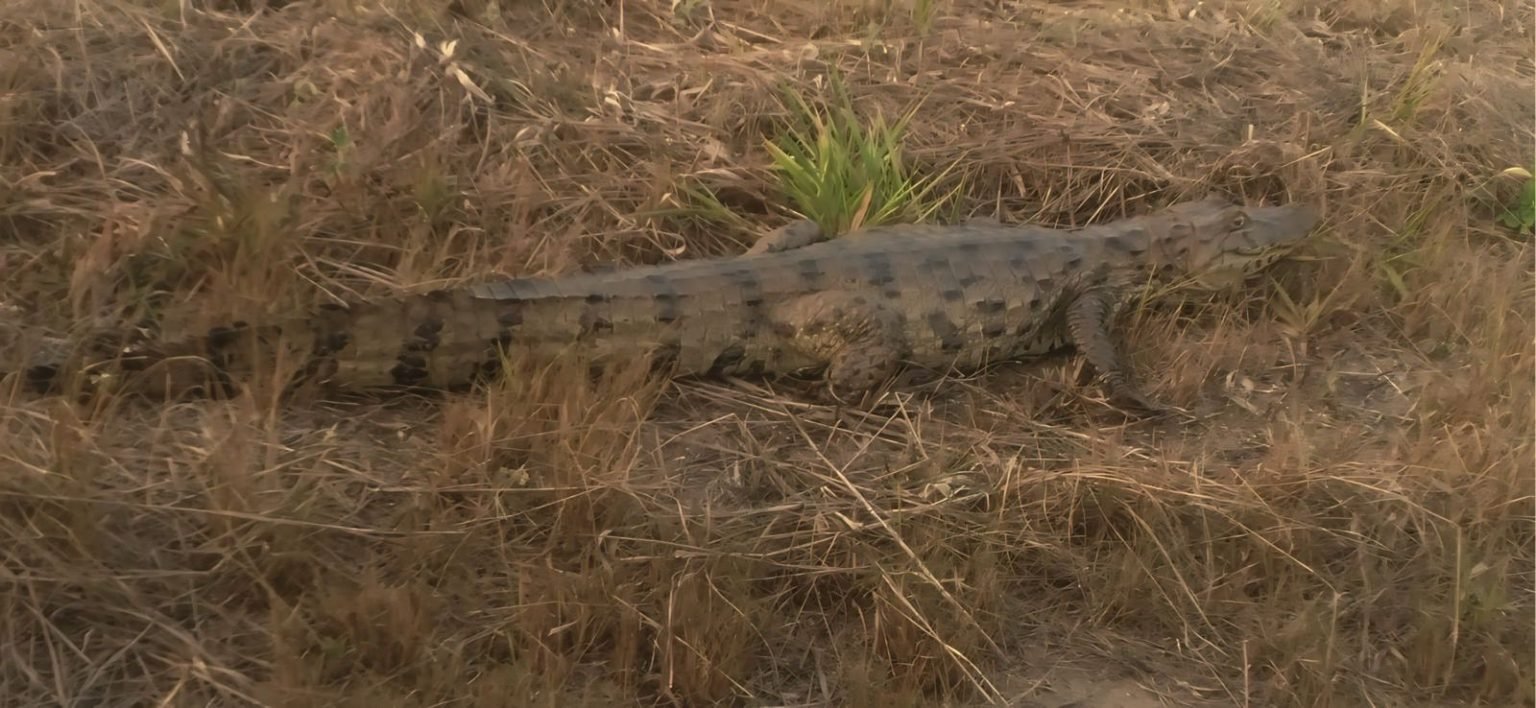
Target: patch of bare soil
pixel 1346 518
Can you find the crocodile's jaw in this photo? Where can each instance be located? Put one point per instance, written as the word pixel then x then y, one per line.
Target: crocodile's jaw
pixel 1269 234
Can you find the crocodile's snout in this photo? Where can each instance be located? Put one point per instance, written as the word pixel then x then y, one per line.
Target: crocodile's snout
pixel 1280 225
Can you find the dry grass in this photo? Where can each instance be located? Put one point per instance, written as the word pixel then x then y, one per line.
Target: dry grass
pixel 1349 523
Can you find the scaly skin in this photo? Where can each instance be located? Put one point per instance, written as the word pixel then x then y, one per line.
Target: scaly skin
pixel 855 308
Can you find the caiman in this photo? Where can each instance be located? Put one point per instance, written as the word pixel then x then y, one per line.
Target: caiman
pixel 852 310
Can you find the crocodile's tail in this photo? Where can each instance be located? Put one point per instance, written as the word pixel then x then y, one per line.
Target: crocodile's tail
pixel 439 339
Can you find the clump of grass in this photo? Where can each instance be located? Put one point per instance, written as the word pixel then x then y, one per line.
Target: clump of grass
pixel 845 173
pixel 1520 215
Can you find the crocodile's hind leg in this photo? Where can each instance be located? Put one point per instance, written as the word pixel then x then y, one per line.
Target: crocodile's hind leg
pixel 1088 321
pixel 859 340
pixel 789 236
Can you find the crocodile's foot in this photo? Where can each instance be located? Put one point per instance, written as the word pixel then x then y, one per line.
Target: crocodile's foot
pixel 795 234
pixel 1132 400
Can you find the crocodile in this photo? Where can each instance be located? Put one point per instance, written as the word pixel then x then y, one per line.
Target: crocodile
pixel 852 310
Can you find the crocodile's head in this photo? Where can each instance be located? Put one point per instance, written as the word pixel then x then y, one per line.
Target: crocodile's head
pixel 1213 244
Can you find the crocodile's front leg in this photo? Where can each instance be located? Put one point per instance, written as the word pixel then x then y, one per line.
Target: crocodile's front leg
pixel 1088 322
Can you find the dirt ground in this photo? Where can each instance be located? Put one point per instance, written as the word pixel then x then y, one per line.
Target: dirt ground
pixel 1346 519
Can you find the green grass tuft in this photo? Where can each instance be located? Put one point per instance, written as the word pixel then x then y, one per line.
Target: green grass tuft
pixel 1521 215
pixel 846 174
